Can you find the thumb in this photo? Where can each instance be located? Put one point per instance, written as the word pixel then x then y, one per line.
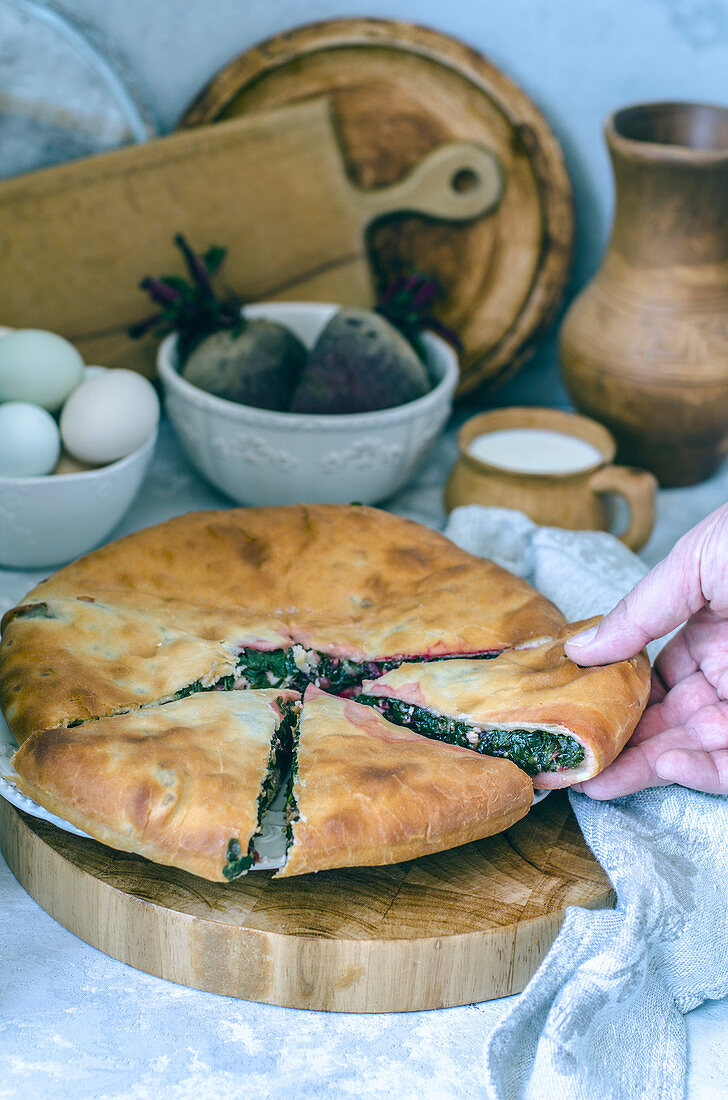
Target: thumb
pixel 666 597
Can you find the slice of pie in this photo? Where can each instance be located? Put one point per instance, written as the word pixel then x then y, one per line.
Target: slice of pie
pixel 558 722
pixel 365 792
pixel 184 784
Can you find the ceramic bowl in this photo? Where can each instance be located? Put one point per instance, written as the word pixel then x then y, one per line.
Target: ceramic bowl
pixel 261 457
pixel 50 520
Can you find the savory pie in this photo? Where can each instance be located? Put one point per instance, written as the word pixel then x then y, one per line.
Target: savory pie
pixel 183 784
pixel 258 596
pixel 560 723
pixel 109 666
pixel 186 783
pixel 365 792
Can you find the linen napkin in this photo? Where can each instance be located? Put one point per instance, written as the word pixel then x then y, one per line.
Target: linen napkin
pixel 603 1015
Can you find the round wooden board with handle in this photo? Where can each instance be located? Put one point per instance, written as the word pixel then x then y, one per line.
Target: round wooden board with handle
pixel 398 91
pixel 463 926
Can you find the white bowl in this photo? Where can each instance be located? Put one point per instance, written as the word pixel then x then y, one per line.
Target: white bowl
pixel 261 457
pixel 51 520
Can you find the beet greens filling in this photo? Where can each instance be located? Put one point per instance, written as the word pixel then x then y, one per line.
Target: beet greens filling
pixel 225 683
pixel 279 761
pixel 291 811
pixel 297 667
pixel 531 750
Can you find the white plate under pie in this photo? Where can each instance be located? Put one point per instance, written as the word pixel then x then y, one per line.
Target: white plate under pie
pixel 269 844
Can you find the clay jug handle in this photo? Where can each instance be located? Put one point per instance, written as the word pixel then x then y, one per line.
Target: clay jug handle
pixel 638 487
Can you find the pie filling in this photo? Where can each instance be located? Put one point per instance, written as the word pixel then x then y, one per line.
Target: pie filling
pixel 533 751
pixel 291 811
pixel 297 667
pixel 279 762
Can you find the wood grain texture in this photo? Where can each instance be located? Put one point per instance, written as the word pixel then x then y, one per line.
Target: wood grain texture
pixel 644 348
pixel 459 927
pixel 272 189
pixel 398 91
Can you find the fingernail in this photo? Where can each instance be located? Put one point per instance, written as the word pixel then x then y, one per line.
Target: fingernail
pixel 581 641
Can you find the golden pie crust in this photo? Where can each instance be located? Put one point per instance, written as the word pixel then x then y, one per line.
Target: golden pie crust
pixel 369 792
pixel 142 618
pixel 534 688
pixel 172 783
pixel 93 660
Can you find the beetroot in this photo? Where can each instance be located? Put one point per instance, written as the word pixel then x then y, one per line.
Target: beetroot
pixel 251 362
pixel 359 363
pixel 259 366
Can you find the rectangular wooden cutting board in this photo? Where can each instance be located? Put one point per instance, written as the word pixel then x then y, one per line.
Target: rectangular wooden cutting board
pixel 272 188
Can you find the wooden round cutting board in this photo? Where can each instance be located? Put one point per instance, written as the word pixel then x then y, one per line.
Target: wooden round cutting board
pixel 454 928
pixel 398 91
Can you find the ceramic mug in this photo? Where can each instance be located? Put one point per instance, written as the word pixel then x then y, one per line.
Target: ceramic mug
pixel 577 499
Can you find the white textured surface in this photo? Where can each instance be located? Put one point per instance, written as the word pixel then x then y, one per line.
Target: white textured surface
pixel 77 1024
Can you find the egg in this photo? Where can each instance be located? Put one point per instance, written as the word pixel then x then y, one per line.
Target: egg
pixel 92 372
pixel 68 465
pixel 39 367
pixel 109 416
pixel 29 440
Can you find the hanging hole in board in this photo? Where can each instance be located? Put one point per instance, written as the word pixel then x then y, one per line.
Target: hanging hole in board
pixel 465 180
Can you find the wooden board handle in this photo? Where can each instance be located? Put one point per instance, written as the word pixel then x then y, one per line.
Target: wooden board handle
pixel 455 182
pixel 638 487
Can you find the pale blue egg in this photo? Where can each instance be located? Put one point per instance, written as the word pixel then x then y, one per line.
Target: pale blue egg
pixel 30 442
pixel 39 367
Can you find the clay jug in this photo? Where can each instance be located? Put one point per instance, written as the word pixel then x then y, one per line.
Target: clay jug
pixel 644 348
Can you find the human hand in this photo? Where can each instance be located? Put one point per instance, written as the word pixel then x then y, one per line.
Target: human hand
pixel 682 736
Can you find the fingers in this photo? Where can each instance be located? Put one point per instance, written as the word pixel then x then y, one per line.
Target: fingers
pixel 652 762
pixel 684 701
pixel 701 771
pixel 702 643
pixel 632 771
pixel 658 688
pixel 666 597
pixel 675 661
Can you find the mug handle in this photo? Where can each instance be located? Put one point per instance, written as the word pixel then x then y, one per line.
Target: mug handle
pixel 638 488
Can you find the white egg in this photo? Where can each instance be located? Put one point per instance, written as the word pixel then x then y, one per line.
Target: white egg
pixel 39 367
pixel 109 416
pixel 29 440
pixel 93 372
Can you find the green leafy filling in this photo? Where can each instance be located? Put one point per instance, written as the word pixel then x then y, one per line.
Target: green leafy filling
pixel 237 863
pixel 225 683
pixel 532 750
pixel 291 811
pixel 278 762
pixel 278 668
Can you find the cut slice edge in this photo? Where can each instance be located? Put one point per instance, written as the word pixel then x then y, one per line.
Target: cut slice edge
pixel 536 748
pixel 139 783
pixel 561 722
pixel 279 766
pixel 365 792
pixel 293 668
